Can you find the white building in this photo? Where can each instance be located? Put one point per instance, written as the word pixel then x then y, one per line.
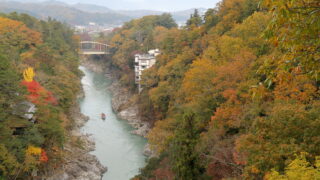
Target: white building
pixel 92 23
pixel 79 29
pixel 142 62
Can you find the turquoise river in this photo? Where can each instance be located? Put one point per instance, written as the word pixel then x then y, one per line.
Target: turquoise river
pixel 116 147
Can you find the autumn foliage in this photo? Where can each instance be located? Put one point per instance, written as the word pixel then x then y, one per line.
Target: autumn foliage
pixel 43 158
pixel 27 142
pixel 249 72
pixel 38 94
pixel 18 34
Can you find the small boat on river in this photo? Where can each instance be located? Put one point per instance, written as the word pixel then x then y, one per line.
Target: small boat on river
pixel 103 116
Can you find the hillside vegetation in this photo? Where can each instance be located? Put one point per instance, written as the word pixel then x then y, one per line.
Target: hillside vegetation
pixel 38 65
pixel 234 94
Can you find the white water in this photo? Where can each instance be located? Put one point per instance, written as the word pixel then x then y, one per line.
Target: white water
pixel 116 147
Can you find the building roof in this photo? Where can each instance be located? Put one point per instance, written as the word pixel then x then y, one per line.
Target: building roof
pixel 145 57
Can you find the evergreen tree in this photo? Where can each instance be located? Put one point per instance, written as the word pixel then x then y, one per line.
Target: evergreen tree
pixel 166 21
pixel 195 19
pixel 210 19
pixel 185 160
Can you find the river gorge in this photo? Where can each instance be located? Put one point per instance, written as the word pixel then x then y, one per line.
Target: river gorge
pixel 115 146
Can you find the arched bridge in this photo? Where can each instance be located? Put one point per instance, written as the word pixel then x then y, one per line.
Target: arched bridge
pixel 93 48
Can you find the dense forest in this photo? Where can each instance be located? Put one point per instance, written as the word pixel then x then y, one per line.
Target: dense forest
pixel 234 94
pixel 38 69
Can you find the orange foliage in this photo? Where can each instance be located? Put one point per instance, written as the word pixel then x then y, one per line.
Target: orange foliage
pixel 17 34
pixel 232 73
pixel 43 158
pixel 226 81
pixel 295 85
pixel 229 113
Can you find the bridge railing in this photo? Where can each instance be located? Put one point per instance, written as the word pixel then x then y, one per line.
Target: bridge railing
pixel 92 47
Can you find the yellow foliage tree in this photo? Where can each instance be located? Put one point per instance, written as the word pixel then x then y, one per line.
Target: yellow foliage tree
pixel 28 74
pixel 198 80
pixel 33 150
pixel 32 158
pixel 298 169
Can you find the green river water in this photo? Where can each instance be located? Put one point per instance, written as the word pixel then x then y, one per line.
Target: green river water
pixel 116 147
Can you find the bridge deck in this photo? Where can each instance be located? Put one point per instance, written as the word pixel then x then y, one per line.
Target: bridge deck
pixel 92 52
pixel 93 48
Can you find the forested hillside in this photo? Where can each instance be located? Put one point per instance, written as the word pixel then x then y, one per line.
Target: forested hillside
pixel 38 67
pixel 234 94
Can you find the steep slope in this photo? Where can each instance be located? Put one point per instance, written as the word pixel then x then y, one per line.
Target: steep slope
pixel 234 95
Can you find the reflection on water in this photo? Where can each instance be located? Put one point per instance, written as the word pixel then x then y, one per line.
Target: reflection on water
pixel 116 147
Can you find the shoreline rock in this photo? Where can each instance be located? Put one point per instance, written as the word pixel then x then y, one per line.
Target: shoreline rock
pixel 126 110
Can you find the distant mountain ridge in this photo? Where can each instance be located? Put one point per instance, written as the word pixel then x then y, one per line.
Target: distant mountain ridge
pixel 62 12
pixel 92 8
pixel 178 15
pixel 82 14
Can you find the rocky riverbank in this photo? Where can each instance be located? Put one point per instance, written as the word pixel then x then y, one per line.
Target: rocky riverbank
pixel 127 110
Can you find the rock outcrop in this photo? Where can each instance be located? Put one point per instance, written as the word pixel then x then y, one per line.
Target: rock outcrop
pixel 127 110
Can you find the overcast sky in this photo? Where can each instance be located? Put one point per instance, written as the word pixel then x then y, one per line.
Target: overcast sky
pixel 163 5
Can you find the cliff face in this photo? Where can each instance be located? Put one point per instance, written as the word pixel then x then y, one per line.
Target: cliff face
pixel 127 110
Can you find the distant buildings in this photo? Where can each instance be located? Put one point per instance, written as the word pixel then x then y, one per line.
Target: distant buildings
pixel 79 29
pixel 142 62
pixel 94 29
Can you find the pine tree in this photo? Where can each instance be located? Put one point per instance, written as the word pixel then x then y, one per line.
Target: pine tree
pixel 195 19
